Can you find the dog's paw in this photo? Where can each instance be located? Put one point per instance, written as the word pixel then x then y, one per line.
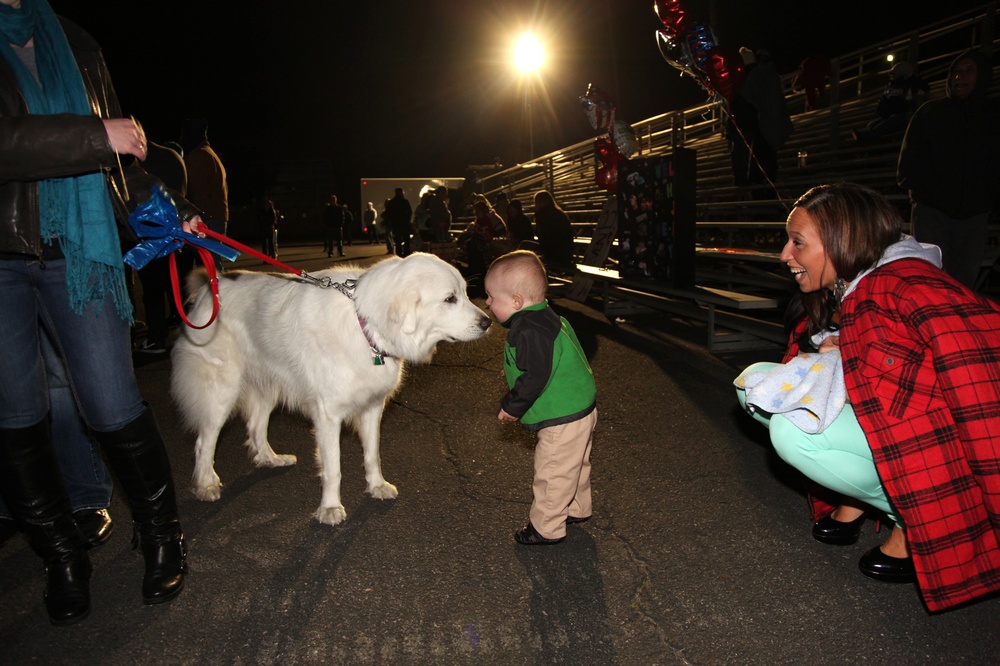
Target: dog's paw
pixel 331 515
pixel 276 460
pixel 385 491
pixel 208 493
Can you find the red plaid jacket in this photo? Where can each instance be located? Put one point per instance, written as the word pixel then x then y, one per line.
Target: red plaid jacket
pixel 922 367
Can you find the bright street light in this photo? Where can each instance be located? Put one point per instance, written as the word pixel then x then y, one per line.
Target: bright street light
pixel 528 59
pixel 528 54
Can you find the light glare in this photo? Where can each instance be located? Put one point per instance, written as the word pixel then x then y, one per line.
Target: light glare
pixel 528 53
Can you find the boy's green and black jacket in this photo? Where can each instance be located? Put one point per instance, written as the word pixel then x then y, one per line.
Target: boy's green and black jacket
pixel 549 378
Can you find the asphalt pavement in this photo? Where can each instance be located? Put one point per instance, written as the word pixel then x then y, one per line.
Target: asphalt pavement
pixel 699 550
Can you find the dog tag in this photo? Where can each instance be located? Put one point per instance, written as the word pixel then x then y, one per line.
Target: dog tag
pixel 377 359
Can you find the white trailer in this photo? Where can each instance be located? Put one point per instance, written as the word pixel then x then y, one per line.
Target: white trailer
pixel 377 190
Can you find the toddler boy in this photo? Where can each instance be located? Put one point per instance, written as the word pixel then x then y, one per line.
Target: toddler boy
pixel 552 392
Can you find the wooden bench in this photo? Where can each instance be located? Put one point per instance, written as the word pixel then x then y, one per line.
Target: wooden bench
pixel 740 268
pixel 727 331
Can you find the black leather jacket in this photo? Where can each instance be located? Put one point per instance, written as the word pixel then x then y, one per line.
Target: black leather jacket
pixel 59 145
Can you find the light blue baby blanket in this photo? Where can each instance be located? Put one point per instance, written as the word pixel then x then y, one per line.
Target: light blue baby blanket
pixel 808 390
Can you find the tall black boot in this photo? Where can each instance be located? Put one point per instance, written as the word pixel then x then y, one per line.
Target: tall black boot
pixel 139 460
pixel 33 489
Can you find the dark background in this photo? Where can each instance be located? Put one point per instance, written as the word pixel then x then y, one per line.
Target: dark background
pixel 400 88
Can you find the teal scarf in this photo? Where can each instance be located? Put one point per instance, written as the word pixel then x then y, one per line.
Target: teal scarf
pixel 76 210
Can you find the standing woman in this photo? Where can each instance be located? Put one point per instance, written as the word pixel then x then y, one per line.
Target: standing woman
pixel 920 437
pixel 62 139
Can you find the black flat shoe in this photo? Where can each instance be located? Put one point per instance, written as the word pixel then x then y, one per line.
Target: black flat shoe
pixel 529 536
pixel 876 564
pixel 95 524
pixel 570 520
pixel 836 532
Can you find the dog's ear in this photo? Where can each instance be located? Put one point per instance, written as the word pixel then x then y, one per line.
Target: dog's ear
pixel 409 323
pixel 409 308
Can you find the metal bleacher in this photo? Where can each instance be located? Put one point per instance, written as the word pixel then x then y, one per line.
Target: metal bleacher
pixel 729 220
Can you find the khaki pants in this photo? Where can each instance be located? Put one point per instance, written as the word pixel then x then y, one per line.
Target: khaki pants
pixel 562 475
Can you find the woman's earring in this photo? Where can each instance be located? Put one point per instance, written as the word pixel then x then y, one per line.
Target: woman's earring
pixel 839 288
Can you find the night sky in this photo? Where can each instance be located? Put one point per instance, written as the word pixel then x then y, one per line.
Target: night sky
pixel 393 88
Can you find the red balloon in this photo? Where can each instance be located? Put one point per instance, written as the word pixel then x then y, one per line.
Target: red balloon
pixel 725 70
pixel 607 176
pixel 671 14
pixel 605 150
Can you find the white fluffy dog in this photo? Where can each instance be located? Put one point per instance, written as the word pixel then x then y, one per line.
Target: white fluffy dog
pixel 335 355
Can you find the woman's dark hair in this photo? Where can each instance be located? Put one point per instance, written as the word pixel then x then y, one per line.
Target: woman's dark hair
pixel 544 199
pixel 856 224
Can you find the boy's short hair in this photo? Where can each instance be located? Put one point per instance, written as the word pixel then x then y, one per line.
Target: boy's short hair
pixel 524 274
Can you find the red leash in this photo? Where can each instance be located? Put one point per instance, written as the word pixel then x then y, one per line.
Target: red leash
pixel 213 279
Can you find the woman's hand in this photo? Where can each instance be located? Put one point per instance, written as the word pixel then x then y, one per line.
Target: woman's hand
pixel 829 344
pixel 126 136
pixel 191 224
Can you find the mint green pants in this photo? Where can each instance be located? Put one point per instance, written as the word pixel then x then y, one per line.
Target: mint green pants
pixel 838 458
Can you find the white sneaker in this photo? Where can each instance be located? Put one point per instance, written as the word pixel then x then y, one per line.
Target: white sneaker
pixel 150 347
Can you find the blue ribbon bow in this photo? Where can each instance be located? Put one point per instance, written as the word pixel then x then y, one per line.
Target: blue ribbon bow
pixel 158 226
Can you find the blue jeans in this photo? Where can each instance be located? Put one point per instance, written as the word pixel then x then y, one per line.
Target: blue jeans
pixel 96 355
pixel 85 476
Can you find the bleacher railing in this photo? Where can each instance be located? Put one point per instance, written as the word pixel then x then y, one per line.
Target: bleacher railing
pixel 823 134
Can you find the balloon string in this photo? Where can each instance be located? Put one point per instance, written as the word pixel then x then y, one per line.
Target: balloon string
pixel 736 125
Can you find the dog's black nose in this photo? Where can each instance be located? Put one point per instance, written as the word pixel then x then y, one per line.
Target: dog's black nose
pixel 484 322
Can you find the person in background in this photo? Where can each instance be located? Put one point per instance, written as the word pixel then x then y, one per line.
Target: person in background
pixel 348 233
pixel 476 243
pixel 440 215
pixel 157 298
pixel 383 223
pixel 422 218
pixel 269 229
pixel 759 125
pixel 950 164
pixel 500 206
pixel 518 224
pixel 554 232
pixel 398 219
pixel 208 186
pixel 63 140
pixel 904 92
pixel 334 218
pixel 369 218
pixel 814 73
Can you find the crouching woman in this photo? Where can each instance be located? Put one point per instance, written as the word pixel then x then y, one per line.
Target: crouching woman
pixel 919 435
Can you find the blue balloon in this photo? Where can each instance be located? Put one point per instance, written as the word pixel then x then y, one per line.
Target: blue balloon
pixel 700 40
